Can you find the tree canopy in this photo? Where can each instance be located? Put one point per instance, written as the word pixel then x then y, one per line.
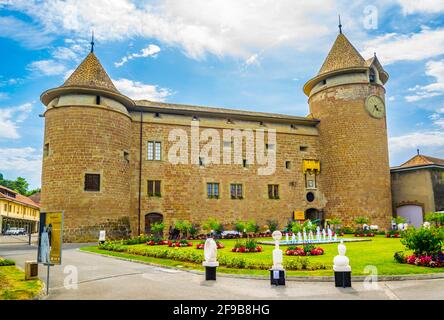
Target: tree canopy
pixel 19 185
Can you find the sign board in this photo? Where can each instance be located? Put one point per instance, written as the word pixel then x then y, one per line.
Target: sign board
pixel 102 235
pixel 299 215
pixel 50 238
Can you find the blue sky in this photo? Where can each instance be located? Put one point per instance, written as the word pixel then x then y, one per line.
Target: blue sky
pixel 252 55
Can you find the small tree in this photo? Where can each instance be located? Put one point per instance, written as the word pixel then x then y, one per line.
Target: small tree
pixel 239 226
pixel 157 230
pixel 252 226
pixel 183 226
pixel 360 221
pixel 335 223
pixel 296 227
pixel 273 225
pixel 193 229
pixel 213 225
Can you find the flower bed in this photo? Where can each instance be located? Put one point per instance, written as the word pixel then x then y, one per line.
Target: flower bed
pixel 423 261
pixel 179 244
pixel 201 245
pixel 362 235
pixel 248 246
pixel 306 251
pixel 392 235
pixel 157 242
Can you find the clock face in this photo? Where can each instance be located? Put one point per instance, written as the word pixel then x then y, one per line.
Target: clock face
pixel 375 106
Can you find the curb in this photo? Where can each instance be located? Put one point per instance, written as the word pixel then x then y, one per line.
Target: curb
pixel 428 276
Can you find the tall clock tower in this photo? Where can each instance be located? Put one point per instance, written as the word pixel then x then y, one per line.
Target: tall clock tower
pixel 348 97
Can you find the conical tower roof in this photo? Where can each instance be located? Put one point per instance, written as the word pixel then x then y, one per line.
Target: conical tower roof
pixel 343 55
pixel 91 74
pixel 90 78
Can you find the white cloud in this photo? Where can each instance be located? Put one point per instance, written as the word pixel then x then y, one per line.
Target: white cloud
pixel 431 140
pixel 421 6
pixel 48 67
pixel 393 47
pixel 139 91
pixel 10 118
pixel 30 36
pixel 24 161
pixel 219 27
pixel 434 69
pixel 151 51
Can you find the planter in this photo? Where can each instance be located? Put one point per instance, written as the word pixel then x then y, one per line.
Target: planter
pixel 301 252
pixel 157 243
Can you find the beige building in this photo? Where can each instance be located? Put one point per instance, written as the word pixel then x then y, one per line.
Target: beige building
pixel 17 211
pixel 111 162
pixel 418 188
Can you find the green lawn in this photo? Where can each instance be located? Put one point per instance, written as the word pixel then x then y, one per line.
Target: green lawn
pixel 13 285
pixel 378 252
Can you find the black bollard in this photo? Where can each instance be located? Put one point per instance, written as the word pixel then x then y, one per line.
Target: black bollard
pixel 277 277
pixel 343 279
pixel 210 273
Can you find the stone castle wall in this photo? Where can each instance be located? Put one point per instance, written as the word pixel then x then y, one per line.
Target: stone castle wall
pixel 87 139
pixel 354 154
pixel 184 194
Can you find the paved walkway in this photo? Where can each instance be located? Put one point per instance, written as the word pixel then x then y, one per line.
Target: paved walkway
pixel 107 278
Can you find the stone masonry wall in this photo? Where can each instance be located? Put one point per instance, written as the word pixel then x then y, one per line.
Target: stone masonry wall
pixel 354 154
pixel 86 139
pixel 184 194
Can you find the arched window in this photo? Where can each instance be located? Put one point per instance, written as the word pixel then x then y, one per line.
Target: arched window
pixel 372 75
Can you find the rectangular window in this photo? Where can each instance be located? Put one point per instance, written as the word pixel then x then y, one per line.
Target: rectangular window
pixel 154 189
pixel 310 180
pixel 92 182
pixel 236 191
pixel 154 150
pixel 213 190
pixel 288 164
pixel 273 191
pixel 46 150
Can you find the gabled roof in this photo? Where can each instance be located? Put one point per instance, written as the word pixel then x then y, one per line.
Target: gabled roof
pixel 91 74
pixel 343 55
pixel 373 61
pixel 18 198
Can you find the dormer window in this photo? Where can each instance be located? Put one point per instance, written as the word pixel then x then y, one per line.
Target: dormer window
pixel 372 76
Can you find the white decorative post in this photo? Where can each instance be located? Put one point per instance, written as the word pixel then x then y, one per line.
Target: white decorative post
pixel 277 272
pixel 210 263
pixel 341 267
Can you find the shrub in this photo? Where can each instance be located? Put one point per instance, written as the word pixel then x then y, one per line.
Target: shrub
pixel 193 230
pixel 360 221
pixel 400 257
pixel 252 226
pixel 436 218
pixel 296 227
pixel 183 226
pixel 239 226
pixel 6 262
pixel 335 223
pixel 213 224
pixel 424 241
pixel 273 225
pixel 157 228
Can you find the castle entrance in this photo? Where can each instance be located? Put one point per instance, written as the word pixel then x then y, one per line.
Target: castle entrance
pixel 150 219
pixel 315 215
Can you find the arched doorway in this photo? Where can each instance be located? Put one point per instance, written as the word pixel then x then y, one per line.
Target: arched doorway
pixel 412 213
pixel 150 219
pixel 315 215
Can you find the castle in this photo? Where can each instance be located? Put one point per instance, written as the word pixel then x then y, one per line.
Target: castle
pixel 107 158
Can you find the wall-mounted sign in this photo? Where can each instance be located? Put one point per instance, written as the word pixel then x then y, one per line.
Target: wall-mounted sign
pixel 50 238
pixel 299 215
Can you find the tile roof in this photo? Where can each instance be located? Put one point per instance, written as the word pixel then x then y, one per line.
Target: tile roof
pixel 18 198
pixel 421 160
pixel 343 55
pixel 91 74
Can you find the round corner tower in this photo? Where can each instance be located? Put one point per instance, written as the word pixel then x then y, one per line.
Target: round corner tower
pixel 348 97
pixel 86 170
